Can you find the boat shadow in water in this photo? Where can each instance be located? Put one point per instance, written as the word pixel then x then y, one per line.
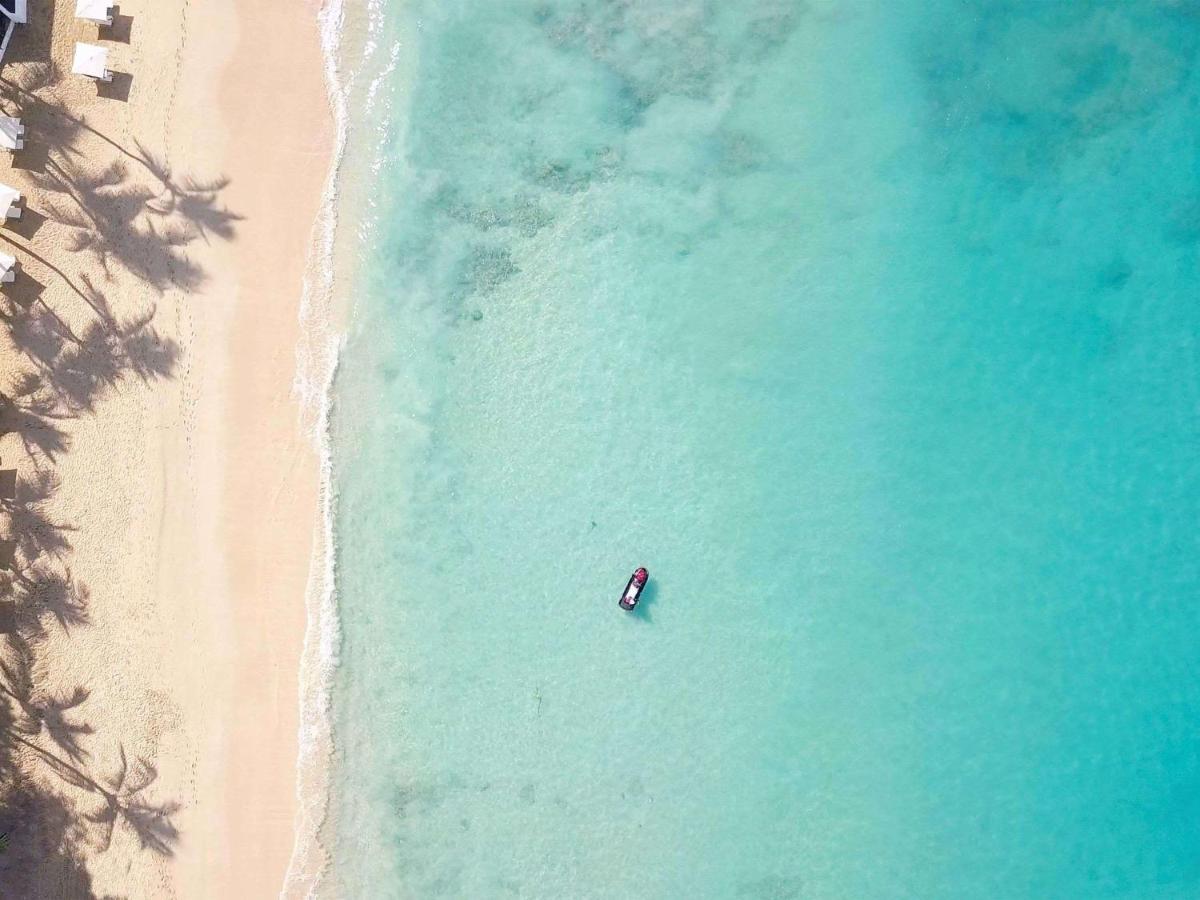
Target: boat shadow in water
pixel 645 601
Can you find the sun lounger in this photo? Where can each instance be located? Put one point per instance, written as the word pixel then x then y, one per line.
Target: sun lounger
pixel 9 198
pixel 98 11
pixel 12 133
pixel 91 60
pixel 8 484
pixel 8 268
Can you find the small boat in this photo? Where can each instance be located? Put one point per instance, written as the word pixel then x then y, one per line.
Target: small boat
pixel 633 590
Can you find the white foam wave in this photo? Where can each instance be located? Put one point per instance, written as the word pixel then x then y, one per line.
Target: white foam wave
pixel 318 354
pixel 316 365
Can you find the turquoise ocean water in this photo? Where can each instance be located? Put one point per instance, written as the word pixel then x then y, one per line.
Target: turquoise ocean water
pixel 871 329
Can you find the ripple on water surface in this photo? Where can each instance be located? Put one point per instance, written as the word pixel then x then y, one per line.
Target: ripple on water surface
pixel 870 329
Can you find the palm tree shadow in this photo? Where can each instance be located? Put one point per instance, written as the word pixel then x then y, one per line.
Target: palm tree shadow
pixel 78 369
pixel 136 221
pixel 50 594
pixel 123 793
pixel 65 733
pixel 45 846
pixel 51 713
pixel 35 532
pixel 30 413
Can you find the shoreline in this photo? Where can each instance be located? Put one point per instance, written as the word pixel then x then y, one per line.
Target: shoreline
pixel 360 54
pixel 317 357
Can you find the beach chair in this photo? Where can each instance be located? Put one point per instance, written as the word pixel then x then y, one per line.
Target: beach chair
pixel 8 484
pixel 8 268
pixel 8 554
pixel 91 60
pixel 9 198
pixel 12 133
pixel 98 11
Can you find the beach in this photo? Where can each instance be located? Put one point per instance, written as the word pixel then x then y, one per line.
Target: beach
pixel 867 329
pixel 168 480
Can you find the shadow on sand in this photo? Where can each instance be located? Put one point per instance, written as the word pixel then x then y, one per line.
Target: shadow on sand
pixel 66 787
pixel 121 29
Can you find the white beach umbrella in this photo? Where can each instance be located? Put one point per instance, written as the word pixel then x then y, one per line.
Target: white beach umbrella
pixel 9 197
pixel 12 133
pixel 98 11
pixel 91 60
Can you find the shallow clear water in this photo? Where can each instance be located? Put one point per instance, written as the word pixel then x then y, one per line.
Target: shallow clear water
pixel 870 328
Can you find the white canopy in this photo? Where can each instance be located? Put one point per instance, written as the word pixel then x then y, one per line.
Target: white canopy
pixel 8 199
pixel 7 264
pixel 11 133
pixel 91 60
pixel 94 11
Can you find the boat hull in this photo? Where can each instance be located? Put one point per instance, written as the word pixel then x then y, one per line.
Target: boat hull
pixel 633 592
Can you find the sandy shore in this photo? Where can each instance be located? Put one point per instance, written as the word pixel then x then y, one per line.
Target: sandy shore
pixel 167 495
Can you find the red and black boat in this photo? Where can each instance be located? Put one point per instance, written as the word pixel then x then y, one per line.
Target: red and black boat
pixel 633 590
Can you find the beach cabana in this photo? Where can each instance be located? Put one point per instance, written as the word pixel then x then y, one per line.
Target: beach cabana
pixel 8 484
pixel 12 133
pixel 91 60
pixel 12 14
pixel 98 11
pixel 8 268
pixel 9 198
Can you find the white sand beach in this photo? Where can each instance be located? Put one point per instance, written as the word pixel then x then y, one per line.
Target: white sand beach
pixel 167 496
